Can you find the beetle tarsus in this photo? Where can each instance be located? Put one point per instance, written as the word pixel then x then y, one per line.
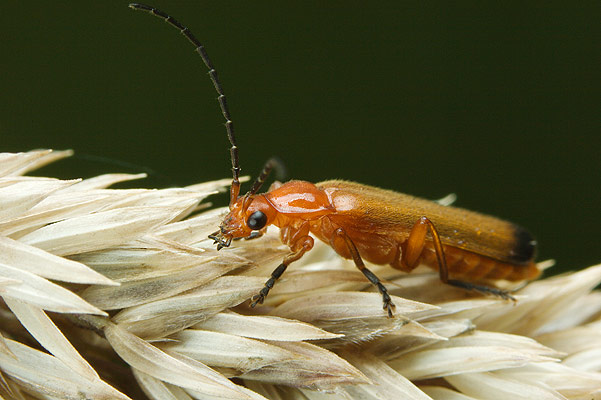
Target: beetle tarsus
pixel 504 294
pixel 388 304
pixel 257 299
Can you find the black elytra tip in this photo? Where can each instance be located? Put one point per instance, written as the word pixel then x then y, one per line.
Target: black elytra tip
pixel 524 248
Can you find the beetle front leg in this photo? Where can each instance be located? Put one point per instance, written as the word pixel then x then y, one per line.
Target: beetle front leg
pixel 388 304
pixel 253 235
pixel 302 245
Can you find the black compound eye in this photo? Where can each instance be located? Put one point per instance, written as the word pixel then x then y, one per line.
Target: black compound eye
pixel 257 220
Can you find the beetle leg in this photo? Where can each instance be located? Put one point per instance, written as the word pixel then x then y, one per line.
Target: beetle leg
pixel 504 294
pixel 304 244
pixel 388 304
pixel 253 235
pixel 412 250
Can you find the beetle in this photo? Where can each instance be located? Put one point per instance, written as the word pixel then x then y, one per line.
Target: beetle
pixel 363 222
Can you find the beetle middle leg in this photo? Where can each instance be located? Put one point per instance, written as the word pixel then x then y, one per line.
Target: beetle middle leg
pixel 388 304
pixel 412 249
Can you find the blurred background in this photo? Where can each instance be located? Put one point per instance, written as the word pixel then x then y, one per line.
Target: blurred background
pixel 496 102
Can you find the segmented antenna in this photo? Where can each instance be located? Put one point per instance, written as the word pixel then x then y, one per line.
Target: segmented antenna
pixel 229 125
pixel 272 163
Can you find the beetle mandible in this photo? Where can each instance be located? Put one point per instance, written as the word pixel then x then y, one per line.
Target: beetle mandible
pixel 363 222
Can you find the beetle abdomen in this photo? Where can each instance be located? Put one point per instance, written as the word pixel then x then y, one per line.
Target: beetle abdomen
pixel 465 265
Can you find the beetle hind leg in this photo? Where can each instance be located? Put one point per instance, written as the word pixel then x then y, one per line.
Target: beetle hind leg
pixel 504 294
pixel 412 250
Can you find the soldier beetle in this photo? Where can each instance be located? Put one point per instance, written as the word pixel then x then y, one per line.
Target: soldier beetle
pixel 363 222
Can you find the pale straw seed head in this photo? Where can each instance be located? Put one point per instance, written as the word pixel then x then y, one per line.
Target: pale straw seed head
pixel 118 293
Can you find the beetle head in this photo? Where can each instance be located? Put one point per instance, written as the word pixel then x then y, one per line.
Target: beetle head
pixel 247 214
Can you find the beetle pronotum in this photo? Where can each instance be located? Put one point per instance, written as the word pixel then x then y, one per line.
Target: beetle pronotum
pixel 364 222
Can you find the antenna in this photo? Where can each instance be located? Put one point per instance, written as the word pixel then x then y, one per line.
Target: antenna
pixel 272 163
pixel 229 125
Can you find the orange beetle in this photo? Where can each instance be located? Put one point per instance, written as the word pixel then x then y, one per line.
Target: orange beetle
pixel 364 222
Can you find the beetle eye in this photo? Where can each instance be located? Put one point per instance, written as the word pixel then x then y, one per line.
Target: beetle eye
pixel 257 220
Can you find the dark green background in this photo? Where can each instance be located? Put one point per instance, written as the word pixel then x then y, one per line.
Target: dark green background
pixel 498 102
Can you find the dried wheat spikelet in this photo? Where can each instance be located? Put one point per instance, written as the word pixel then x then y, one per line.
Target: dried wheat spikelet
pixel 118 294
